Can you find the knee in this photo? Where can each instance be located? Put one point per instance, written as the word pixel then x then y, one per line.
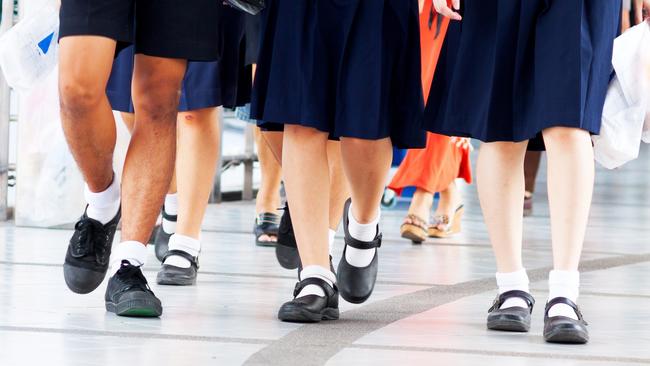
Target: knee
pixel 302 133
pixel 565 137
pixel 198 118
pixel 79 95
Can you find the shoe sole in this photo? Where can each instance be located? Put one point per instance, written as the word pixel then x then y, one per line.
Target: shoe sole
pixel 175 280
pixel 287 256
pixel 298 315
pixel 410 232
pixel 136 308
pixel 265 243
pixel 506 325
pixel 81 280
pixel 565 336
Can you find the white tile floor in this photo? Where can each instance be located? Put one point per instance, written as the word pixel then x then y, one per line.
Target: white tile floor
pixel 429 306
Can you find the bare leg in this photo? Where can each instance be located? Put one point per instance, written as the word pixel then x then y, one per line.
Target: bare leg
pixel 86 115
pixel 500 183
pixel 268 197
pixel 570 187
pixel 531 167
pixel 339 191
pixel 149 162
pixel 196 163
pixel 449 201
pixel 421 204
pixel 274 141
pixel 306 173
pixel 366 164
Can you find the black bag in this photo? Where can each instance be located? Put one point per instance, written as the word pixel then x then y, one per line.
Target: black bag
pixel 252 7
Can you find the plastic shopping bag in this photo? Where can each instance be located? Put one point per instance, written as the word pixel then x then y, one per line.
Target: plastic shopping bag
pixel 29 50
pixel 626 113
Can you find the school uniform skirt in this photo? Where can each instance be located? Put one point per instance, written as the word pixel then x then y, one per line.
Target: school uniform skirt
pixel 226 82
pixel 350 68
pixel 512 68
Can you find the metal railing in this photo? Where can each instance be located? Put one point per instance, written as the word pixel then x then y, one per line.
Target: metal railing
pixel 5 23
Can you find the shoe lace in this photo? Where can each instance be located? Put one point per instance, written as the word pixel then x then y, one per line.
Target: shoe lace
pixel 92 240
pixel 132 276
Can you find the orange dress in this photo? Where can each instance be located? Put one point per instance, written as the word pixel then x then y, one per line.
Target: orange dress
pixel 433 168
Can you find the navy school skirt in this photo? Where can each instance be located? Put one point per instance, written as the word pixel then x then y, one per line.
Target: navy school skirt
pixel 350 68
pixel 226 82
pixel 512 68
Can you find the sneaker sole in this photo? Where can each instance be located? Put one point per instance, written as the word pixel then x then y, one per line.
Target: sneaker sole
pixel 136 308
pixel 298 315
pixel 81 280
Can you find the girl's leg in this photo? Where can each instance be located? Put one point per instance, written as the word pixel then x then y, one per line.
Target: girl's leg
pixel 268 196
pixel 531 167
pixel 339 190
pixel 500 179
pixel 421 204
pixel 196 163
pixel 366 164
pixel 570 188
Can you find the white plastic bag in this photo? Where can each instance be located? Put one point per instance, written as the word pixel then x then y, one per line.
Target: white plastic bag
pixel 626 113
pixel 29 50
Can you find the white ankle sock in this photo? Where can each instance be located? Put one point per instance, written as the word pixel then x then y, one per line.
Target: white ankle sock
pixel 363 232
pixel 171 208
pixel 187 244
pixel 510 281
pixel 332 234
pixel 563 284
pixel 316 272
pixel 132 251
pixel 103 206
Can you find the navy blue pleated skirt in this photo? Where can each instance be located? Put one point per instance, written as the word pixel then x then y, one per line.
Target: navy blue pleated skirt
pixel 226 82
pixel 512 68
pixel 347 67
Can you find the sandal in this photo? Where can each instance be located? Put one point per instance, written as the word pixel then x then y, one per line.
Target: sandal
pixel 414 228
pixel 528 204
pixel 443 226
pixel 266 223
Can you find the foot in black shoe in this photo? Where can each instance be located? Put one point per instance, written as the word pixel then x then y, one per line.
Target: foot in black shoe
pixel 87 258
pixel 266 224
pixel 331 267
pixel 286 250
pixel 161 238
pixel 178 276
pixel 311 308
pixel 562 329
pixel 357 283
pixel 513 319
pixel 128 294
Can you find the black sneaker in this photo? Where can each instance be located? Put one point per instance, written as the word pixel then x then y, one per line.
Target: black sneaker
pixel 128 294
pixel 161 238
pixel 87 258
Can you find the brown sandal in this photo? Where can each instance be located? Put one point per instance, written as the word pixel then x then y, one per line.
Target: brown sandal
pixel 443 226
pixel 415 230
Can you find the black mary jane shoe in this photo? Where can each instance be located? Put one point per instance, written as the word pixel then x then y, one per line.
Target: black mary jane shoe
pixel 266 223
pixel 514 319
pixel 357 283
pixel 562 329
pixel 286 249
pixel 311 308
pixel 161 238
pixel 177 276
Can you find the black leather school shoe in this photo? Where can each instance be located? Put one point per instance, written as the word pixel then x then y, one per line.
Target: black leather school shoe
pixel 177 276
pixel 357 283
pixel 161 238
pixel 311 308
pixel 562 329
pixel 514 319
pixel 286 249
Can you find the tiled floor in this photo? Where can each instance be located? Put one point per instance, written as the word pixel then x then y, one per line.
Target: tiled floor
pixel 429 306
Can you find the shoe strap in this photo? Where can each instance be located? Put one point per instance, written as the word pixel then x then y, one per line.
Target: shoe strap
pixel 566 301
pixel 498 302
pixel 193 260
pixel 268 218
pixel 169 217
pixel 352 242
pixel 329 290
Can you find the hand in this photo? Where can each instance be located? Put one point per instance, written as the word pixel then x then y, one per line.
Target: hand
pixel 442 8
pixel 639 7
pixel 462 143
